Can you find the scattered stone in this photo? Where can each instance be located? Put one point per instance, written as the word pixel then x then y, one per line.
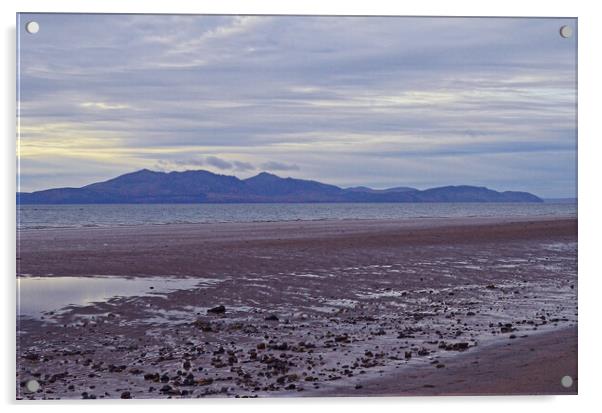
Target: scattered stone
pixel 203 325
pixel 220 309
pixel 152 377
pixel 280 346
pixel 31 356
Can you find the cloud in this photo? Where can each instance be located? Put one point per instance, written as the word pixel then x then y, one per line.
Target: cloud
pixel 356 100
pixel 242 166
pixel 104 106
pixel 208 161
pixel 279 166
pixel 218 162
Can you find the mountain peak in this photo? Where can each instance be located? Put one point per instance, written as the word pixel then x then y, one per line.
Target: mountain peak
pixel 262 176
pixel 146 171
pixel 264 173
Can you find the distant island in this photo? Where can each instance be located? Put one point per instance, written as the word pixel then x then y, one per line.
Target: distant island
pixel 200 186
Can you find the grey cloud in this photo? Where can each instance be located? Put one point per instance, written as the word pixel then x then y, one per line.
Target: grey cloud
pixel 242 166
pixel 218 162
pixel 195 162
pixel 279 166
pixel 209 161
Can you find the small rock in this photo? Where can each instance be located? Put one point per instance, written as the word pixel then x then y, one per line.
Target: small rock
pixel 423 352
pixel 203 325
pixel 32 356
pixel 152 377
pixel 220 309
pixel 280 346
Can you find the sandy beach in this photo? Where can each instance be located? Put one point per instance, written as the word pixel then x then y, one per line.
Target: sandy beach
pixel 468 306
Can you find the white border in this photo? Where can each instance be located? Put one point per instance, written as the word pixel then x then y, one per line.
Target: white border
pixel 589 190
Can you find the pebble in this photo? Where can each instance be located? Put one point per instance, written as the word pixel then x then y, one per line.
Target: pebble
pixel 220 309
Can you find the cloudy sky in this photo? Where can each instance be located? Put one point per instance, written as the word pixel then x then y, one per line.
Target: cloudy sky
pixel 379 102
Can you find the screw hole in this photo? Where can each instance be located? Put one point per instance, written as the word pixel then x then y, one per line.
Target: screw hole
pixel 32 27
pixel 566 31
pixel 567 381
pixel 32 386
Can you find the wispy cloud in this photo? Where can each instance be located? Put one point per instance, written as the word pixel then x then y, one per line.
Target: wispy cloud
pixel 104 106
pixel 279 166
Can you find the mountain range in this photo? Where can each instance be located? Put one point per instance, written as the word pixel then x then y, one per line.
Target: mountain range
pixel 146 187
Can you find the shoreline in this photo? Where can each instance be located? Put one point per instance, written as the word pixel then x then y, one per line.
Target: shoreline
pixel 467 220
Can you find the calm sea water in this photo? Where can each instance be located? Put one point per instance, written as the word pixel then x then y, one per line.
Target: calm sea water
pixel 70 216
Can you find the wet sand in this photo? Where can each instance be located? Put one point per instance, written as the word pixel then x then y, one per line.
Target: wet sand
pixel 532 365
pixel 309 309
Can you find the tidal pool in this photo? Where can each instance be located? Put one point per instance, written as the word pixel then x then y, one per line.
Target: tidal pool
pixel 39 295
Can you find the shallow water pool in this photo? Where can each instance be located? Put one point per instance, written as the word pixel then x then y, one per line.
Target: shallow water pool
pixel 39 295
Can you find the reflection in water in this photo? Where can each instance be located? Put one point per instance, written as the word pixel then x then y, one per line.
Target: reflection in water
pixel 37 295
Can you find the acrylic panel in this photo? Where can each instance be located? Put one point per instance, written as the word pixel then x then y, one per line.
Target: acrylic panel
pixel 295 206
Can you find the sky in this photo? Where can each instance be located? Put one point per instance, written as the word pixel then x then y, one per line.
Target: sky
pixel 371 101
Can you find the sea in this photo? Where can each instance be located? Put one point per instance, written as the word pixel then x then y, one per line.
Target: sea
pixel 36 217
